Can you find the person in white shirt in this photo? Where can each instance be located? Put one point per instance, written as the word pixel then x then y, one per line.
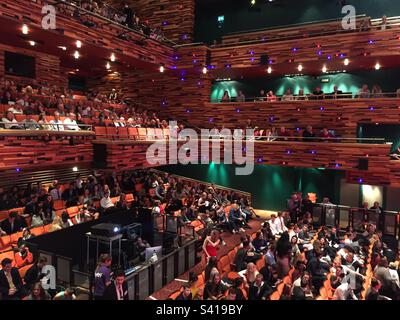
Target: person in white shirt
pixel 9 121
pixel 344 291
pixel 57 124
pixel 16 109
pixel 55 193
pixel 273 226
pixel 70 122
pixel 280 223
pixel 106 202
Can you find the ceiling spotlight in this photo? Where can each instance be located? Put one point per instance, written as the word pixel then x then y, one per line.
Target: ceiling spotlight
pixel 62 48
pixel 377 66
pixel 108 66
pixel 346 62
pixel 253 2
pixel 269 70
pixel 78 44
pixel 300 67
pixel 204 70
pixel 161 69
pixel 25 29
pixel 76 55
pixel 32 43
pixel 112 58
pixel 324 69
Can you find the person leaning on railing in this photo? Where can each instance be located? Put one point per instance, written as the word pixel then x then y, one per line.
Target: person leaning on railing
pixel 9 121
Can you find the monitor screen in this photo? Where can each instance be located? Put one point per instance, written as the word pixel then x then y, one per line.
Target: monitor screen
pixel 153 253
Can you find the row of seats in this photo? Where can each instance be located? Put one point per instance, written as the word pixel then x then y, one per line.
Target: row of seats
pixel 117 133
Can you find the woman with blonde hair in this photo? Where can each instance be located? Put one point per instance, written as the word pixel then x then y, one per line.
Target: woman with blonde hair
pixel 56 224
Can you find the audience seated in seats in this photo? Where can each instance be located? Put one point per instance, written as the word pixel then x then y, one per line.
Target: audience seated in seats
pixel 11 286
pixel 23 257
pixel 364 92
pixel 259 290
pixel 271 97
pixel 14 223
pixel 318 94
pixel 309 134
pixel 226 97
pixel 9 121
pixel 186 293
pixel 214 288
pixel 38 293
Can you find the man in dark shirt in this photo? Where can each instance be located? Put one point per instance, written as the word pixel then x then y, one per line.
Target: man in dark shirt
pixel 259 290
pixel 186 293
pixel 34 273
pixel 13 224
pixel 318 94
pixel 11 287
pixel 309 133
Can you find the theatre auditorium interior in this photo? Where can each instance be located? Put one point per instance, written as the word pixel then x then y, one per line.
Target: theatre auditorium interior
pixel 199 150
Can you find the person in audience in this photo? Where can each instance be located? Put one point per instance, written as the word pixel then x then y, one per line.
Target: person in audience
pixel 259 243
pixel 214 289
pixel 226 97
pixel 9 121
pixel 57 124
pixel 301 95
pixel 236 218
pixel 318 94
pixel 376 91
pixel 326 135
pixel 259 290
pixel 186 293
pixel 23 257
pixel 34 273
pixel 364 92
pixel 65 220
pixel 38 293
pixel 11 286
pixel 302 288
pixel 26 235
pixel 283 252
pixel 231 295
pixel 12 224
pixel 336 93
pixel 56 224
pixel 29 123
pixel 344 291
pixel 377 208
pixel 70 122
pixel 382 273
pixel 67 294
pixel 309 133
pixel 271 97
pixel 17 108
pixel 240 97
pixel 117 289
pixel 261 96
pixel 288 96
pixel 373 290
pixel 106 202
pixel 211 244
pixel 365 24
pixel 211 268
pixel 283 134
pixel 385 25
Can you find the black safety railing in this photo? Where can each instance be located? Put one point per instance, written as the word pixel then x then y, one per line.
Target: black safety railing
pixel 357 218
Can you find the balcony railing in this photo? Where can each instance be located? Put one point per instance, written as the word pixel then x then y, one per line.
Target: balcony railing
pixel 35 126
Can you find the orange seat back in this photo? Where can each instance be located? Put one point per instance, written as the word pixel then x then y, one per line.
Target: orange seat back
pixel 133 133
pixel 142 133
pixel 5 242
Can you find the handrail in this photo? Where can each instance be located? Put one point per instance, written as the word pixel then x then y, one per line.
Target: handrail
pixel 35 126
pixel 80 9
pixel 278 37
pixel 312 97
pixel 289 26
pixel 248 194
